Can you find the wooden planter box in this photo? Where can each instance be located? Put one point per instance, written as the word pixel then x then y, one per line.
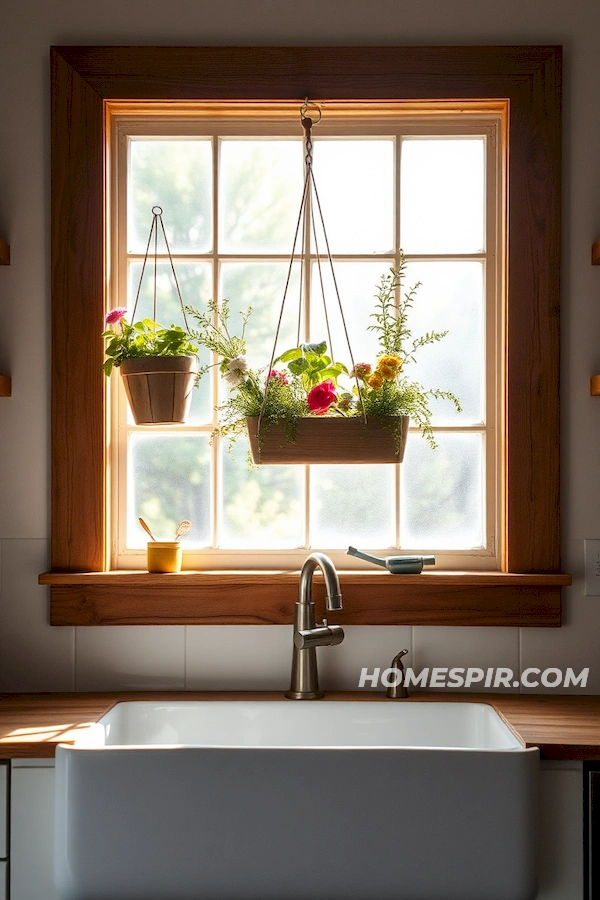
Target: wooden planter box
pixel 159 388
pixel 329 440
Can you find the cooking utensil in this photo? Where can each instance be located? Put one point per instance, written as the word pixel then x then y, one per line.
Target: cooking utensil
pixel 182 529
pixel 146 528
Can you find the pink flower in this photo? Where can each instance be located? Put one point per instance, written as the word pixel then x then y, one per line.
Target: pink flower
pixel 321 397
pixel 115 315
pixel 274 373
pixel 361 370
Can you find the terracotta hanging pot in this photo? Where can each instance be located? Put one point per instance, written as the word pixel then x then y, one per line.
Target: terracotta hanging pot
pixel 330 440
pixel 159 388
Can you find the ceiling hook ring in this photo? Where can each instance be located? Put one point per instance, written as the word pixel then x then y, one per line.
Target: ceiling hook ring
pixel 305 108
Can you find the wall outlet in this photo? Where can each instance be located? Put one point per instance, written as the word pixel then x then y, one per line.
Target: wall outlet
pixel 591 552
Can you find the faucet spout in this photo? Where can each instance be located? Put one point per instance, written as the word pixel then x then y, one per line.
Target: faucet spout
pixel 305 680
pixel 333 593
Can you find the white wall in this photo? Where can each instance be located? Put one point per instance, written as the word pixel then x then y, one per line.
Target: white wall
pixel 34 656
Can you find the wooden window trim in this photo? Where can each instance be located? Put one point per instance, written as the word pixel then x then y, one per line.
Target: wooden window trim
pixel 84 79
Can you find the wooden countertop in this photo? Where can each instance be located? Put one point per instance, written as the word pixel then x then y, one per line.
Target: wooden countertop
pixel 563 727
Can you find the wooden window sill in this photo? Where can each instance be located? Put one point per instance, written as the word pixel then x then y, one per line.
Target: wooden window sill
pixel 268 597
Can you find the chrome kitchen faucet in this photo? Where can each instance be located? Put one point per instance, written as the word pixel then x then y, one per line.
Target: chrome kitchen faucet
pixel 305 679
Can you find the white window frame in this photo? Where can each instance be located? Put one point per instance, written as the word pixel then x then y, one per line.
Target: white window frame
pixel 381 120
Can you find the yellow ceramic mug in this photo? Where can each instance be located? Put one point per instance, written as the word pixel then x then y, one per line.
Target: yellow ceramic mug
pixel 164 556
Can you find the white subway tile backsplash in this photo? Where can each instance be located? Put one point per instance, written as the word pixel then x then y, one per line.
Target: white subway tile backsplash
pixel 130 658
pixel 364 646
pixel 259 657
pixel 238 657
pixel 461 647
pixel 34 656
pixel 574 645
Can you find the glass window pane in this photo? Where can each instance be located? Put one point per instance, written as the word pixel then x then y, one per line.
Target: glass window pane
pixel 442 493
pixel 168 479
pixel 261 286
pixel 259 508
pixel 260 189
pixel 442 208
pixel 343 512
pixel 450 298
pixel 356 283
pixel 195 283
pixel 355 183
pixel 177 176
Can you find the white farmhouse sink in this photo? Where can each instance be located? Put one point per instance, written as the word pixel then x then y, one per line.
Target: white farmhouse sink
pixel 283 800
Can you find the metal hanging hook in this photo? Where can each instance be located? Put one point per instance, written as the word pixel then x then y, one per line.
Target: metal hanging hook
pixel 306 106
pixel 307 124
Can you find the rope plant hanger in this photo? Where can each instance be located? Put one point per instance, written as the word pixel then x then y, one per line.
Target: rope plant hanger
pixel 330 439
pixel 159 363
pixel 306 226
pixel 156 218
pixel 301 412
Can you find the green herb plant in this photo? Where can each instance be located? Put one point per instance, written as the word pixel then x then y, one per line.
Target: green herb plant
pixel 143 338
pixel 387 391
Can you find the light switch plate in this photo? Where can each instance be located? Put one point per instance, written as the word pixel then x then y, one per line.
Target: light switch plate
pixel 591 552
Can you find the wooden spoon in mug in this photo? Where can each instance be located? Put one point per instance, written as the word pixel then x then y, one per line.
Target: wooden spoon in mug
pixel 146 528
pixel 183 528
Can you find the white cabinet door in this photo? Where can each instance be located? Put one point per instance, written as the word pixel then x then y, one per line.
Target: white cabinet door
pixel 32 834
pixel 561 814
pixel 3 877
pixel 3 813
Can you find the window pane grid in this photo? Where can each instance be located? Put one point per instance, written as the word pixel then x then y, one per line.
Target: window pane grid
pixel 309 475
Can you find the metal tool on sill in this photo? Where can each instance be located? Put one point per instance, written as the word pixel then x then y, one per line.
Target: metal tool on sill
pixel 397 565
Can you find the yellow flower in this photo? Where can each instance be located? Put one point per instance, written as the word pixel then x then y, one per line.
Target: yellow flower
pixel 387 372
pixel 375 380
pixel 389 363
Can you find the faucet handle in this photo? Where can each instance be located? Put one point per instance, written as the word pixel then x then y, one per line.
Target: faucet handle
pixel 321 636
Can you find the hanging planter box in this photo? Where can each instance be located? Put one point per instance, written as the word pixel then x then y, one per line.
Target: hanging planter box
pixel 329 440
pixel 159 388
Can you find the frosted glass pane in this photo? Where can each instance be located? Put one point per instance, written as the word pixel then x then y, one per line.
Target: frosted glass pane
pixel 176 175
pixel 442 195
pixel 168 480
pixel 451 297
pixel 259 195
pixel 442 493
pixel 261 286
pixel 195 283
pixel 351 505
pixel 260 508
pixel 357 284
pixel 355 183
